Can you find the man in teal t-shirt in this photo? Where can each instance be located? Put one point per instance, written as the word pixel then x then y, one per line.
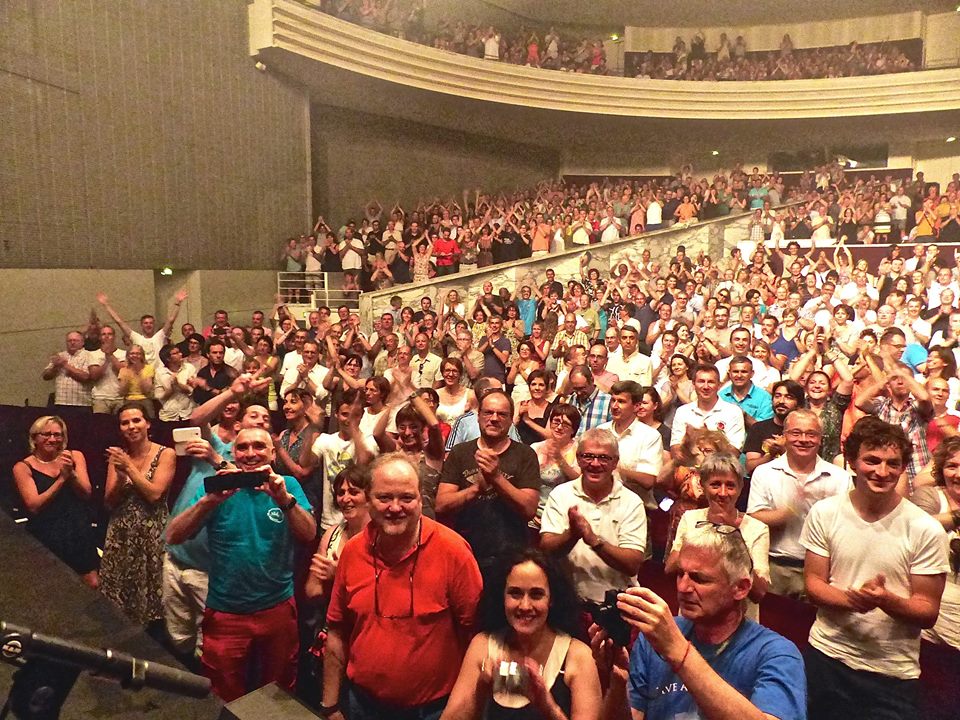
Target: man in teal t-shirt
pixel 251 535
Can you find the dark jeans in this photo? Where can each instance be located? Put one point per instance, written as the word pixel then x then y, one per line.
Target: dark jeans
pixel 837 692
pixel 363 706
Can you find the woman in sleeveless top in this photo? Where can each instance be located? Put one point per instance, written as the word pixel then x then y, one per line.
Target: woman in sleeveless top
pixel 455 399
pixel 350 498
pixel 531 415
pixel 557 454
pixel 528 614
pixel 138 477
pixel 54 488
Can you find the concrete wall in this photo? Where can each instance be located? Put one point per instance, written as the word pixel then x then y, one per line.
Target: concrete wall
pixel 715 237
pixel 941 46
pixel 43 306
pixel 139 134
pixel 358 157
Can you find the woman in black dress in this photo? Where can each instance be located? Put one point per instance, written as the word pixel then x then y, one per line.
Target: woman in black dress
pixel 55 489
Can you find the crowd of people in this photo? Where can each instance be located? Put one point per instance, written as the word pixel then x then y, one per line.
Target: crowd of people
pixel 546 48
pixel 733 61
pixel 469 483
pixel 441 237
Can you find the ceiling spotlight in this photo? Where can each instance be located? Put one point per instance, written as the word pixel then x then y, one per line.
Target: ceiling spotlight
pixel 952 138
pixel 714 152
pixel 260 66
pixel 166 270
pixel 614 37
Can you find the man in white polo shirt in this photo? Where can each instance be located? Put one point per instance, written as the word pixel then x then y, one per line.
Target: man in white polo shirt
pixel 595 522
pixel 149 338
pixel 708 411
pixel 782 492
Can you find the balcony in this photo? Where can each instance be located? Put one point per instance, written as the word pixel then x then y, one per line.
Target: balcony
pixel 285 33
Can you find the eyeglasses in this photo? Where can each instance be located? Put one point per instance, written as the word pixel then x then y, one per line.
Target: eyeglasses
pixel 51 435
pixel 560 422
pixel 592 457
pixel 376 582
pixel 727 531
pixel 797 434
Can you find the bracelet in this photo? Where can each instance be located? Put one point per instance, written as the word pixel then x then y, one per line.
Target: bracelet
pixel 327 710
pixel 290 505
pixel 677 668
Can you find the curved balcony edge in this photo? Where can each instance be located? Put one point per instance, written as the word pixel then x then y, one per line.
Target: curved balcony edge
pixel 294 28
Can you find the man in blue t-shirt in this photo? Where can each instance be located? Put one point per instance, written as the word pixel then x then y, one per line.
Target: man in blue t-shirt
pixel 711 661
pixel 185 566
pixel 251 534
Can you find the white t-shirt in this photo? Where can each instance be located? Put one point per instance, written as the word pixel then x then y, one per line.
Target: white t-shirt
pixel 151 346
pixel 180 404
pixel 654 213
pixel 336 454
pixel 108 386
pixel 774 486
pixel 906 542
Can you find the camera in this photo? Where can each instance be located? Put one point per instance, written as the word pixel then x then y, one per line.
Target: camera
pixel 235 481
pixel 510 677
pixel 607 616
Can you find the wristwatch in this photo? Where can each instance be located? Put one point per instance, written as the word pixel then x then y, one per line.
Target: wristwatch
pixel 222 465
pixel 596 546
pixel 290 505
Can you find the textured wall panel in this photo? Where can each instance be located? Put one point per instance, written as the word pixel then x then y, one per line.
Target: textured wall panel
pixel 138 134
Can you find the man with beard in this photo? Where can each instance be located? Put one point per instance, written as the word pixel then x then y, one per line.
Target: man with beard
pixel 783 491
pixel 765 441
pixel 491 486
pixel 402 609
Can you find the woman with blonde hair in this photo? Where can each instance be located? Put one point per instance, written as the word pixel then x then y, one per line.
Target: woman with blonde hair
pixel 54 488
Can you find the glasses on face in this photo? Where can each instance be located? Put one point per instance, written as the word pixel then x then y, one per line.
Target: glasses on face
pixel 51 435
pixel 593 457
pixel 561 422
pixel 798 434
pixel 377 571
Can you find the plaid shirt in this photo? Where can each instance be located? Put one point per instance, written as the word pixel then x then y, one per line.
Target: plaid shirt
pixel 594 411
pixel 577 337
pixel 914 424
pixel 68 391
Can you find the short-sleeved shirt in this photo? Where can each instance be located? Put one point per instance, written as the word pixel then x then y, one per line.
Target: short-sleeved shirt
pixel 774 486
pixel 905 542
pixel 493 366
pixel 151 345
pixel 761 665
pixel 251 550
pixel 723 416
pixel 759 432
pixel 619 519
pixel 194 553
pixel 757 403
pixel 406 661
pixel 68 391
pixel 488 523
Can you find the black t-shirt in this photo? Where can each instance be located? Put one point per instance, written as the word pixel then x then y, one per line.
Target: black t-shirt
pixel 760 431
pixel 488 523
pixel 505 247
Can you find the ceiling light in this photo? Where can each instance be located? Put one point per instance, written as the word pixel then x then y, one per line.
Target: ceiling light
pixel 951 139
pixel 166 270
pixel 714 152
pixel 614 37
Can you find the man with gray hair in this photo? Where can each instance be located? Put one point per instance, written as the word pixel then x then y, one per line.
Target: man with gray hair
pixel 711 661
pixel 599 525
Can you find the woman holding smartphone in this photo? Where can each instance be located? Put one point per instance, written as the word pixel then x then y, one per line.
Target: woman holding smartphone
pixel 138 477
pixel 54 487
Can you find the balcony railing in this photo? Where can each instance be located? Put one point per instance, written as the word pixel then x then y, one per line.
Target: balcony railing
pixel 282 25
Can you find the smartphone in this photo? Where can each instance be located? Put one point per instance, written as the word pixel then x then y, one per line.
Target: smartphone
pixel 182 436
pixel 234 481
pixel 666 504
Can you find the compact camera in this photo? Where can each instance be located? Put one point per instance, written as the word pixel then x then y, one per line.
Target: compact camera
pixel 607 616
pixel 510 677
